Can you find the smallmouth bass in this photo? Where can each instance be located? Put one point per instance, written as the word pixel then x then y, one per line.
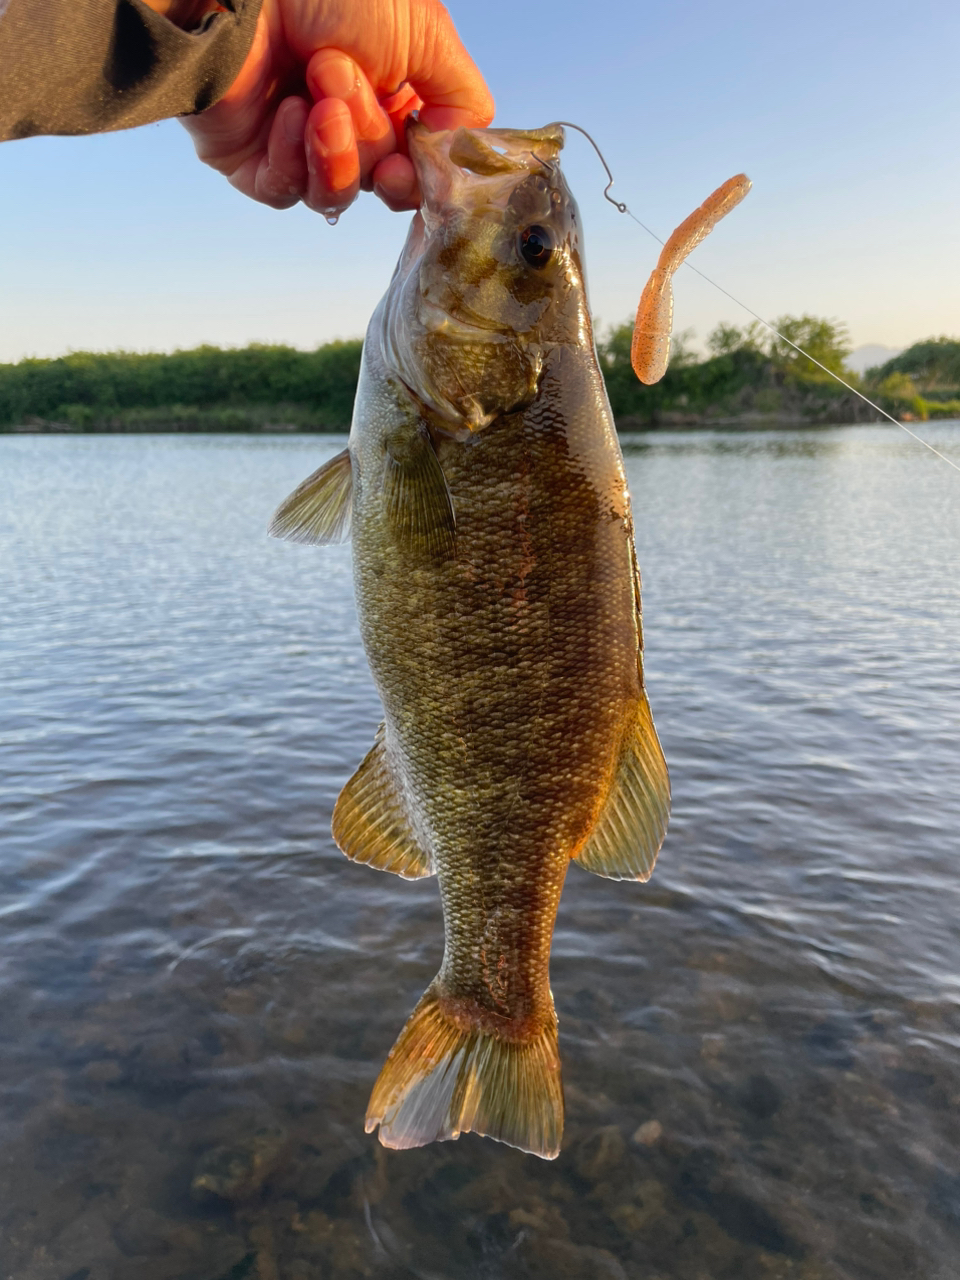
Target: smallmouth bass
pixel 499 602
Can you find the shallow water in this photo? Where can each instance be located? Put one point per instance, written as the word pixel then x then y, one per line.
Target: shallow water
pixel 197 991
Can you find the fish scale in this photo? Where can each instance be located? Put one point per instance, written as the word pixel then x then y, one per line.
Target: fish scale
pixel 498 601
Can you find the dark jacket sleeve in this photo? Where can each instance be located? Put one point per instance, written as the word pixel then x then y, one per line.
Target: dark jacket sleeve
pixel 88 66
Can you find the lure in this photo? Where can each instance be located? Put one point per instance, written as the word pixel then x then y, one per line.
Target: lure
pixel 650 349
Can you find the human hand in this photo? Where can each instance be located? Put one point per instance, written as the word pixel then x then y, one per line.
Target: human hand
pixel 366 65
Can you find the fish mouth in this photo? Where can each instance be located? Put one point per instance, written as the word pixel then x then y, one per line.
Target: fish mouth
pixel 453 330
pixel 474 171
pixel 475 168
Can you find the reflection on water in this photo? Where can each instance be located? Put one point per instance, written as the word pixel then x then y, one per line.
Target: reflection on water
pixel 197 990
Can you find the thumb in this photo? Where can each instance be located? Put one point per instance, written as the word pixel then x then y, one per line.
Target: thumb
pixel 446 78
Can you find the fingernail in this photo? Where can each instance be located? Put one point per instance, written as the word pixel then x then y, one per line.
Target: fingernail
pixel 335 135
pixel 338 77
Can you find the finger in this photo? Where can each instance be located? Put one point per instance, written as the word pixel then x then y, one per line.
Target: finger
pixel 331 74
pixel 395 182
pixel 447 79
pixel 397 107
pixel 333 165
pixel 281 179
pixel 276 173
pixel 244 176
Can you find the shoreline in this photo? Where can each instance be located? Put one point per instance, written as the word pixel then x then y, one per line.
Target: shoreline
pixel 626 426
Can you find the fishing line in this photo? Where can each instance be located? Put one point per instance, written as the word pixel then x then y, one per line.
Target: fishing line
pixel 622 208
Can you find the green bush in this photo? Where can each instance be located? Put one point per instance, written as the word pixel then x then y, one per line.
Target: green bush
pixel 86 388
pixel 940 408
pixel 749 370
pixel 933 365
pixel 263 387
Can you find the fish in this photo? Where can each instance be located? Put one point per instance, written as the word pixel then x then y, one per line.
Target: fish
pixel 498 596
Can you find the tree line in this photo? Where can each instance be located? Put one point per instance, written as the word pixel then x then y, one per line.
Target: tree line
pixel 745 373
pixel 207 387
pixel 753 373
pixel 922 382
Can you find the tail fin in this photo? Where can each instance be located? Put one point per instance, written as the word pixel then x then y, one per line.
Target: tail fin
pixel 442 1079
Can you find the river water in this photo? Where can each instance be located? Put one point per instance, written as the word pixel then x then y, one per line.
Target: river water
pixel 197 990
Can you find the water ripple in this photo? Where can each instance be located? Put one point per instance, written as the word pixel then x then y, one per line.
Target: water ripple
pixel 188 962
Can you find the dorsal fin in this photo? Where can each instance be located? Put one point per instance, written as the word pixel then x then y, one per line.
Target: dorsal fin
pixel 318 511
pixel 630 830
pixel 370 822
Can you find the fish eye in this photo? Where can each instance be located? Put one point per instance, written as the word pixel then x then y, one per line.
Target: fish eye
pixel 536 246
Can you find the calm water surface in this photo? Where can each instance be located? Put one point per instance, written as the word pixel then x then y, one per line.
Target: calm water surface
pixel 197 991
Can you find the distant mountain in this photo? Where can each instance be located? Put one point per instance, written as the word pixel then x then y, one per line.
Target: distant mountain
pixel 867 357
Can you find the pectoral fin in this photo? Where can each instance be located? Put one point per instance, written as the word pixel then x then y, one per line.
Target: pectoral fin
pixel 318 511
pixel 417 502
pixel 370 822
pixel 630 830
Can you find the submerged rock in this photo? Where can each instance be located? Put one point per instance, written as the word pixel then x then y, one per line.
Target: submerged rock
pixel 237 1172
pixel 564 1260
pixel 143 1231
pixel 648 1134
pixel 601 1155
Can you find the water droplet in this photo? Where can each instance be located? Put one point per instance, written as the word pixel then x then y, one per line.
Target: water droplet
pixel 332 219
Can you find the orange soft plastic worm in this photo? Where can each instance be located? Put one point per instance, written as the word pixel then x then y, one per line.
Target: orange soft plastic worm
pixel 650 349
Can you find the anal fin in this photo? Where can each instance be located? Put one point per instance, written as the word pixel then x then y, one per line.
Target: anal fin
pixel 370 822
pixel 319 510
pixel 629 832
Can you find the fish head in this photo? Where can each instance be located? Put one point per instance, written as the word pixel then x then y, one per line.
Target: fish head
pixel 490 276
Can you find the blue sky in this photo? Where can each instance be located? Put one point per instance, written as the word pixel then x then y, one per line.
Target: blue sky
pixel 846 115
